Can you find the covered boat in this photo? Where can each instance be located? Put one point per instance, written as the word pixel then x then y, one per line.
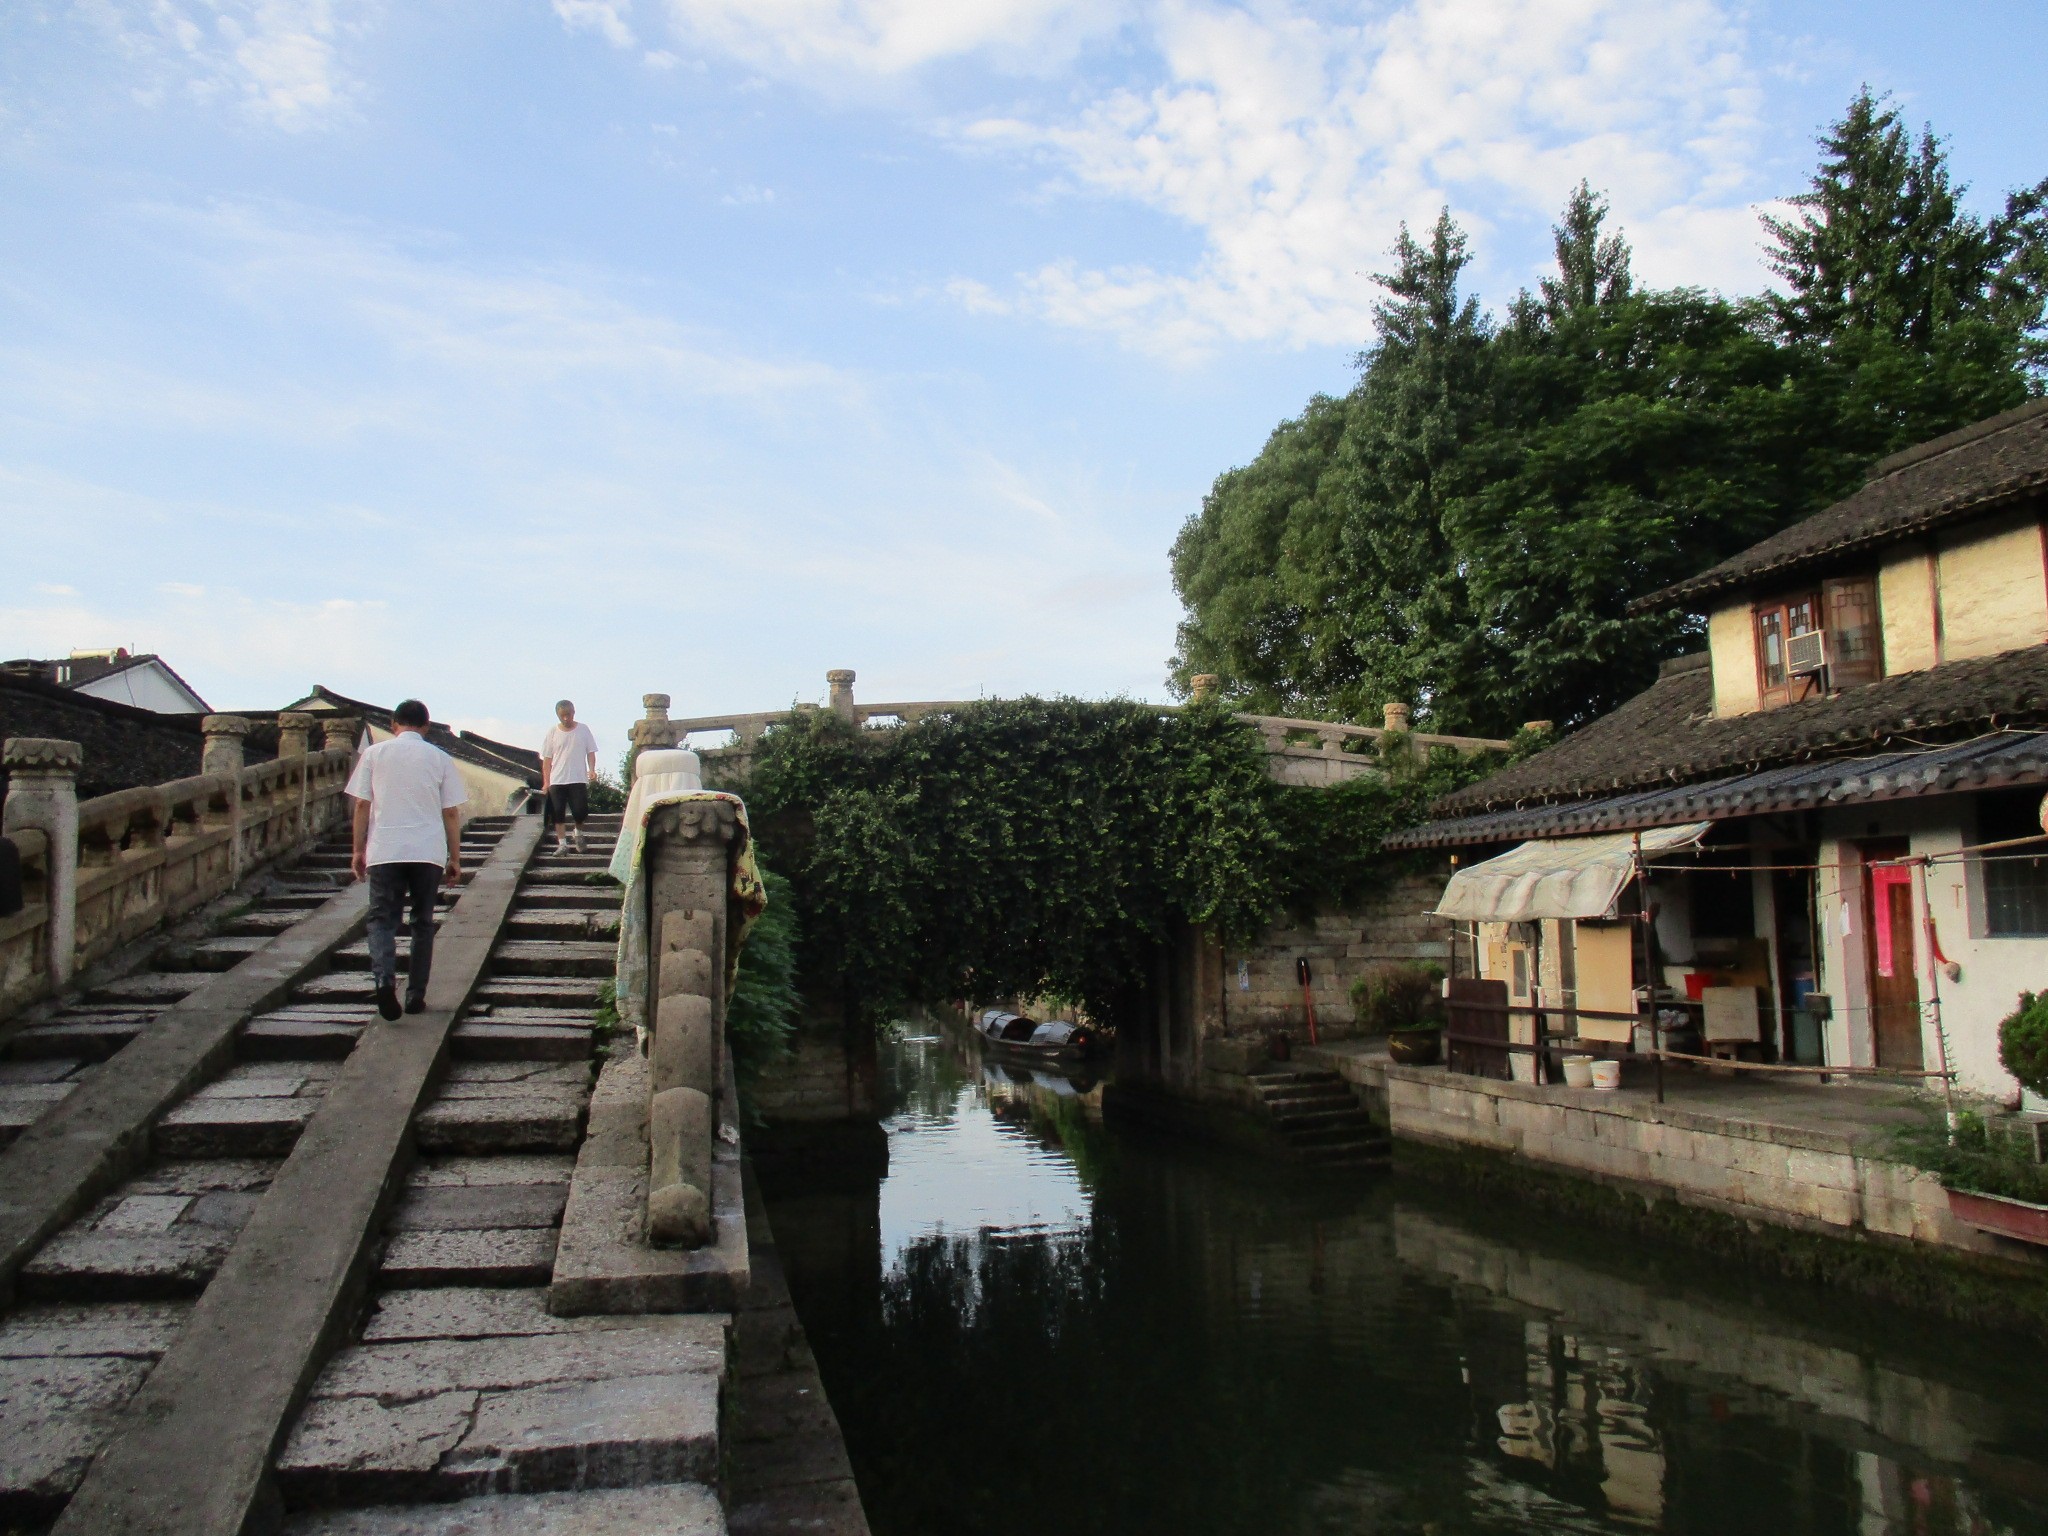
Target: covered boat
pixel 1026 1039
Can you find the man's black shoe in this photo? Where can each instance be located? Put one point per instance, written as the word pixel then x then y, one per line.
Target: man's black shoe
pixel 415 1005
pixel 387 999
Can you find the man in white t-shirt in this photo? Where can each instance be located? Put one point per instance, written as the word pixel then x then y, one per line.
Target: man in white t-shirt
pixel 408 839
pixel 568 762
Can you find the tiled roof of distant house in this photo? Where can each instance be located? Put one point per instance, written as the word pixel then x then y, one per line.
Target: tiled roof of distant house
pixel 124 746
pixel 77 671
pixel 466 746
pixel 1983 468
pixel 1668 733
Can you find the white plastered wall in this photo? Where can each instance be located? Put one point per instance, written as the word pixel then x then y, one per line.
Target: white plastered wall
pixel 1993 594
pixel 1994 970
pixel 1731 647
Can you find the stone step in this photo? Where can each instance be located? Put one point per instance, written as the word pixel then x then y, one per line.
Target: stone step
pixel 499 1257
pixel 468 1119
pixel 23 1104
pixel 92 1038
pixel 1309 1097
pixel 573 924
pixel 1316 1118
pixel 356 956
pixel 255 1109
pixel 278 1038
pixel 579 992
pixel 520 1400
pixel 519 957
pixel 221 953
pixel 569 898
pixel 265 919
pixel 145 987
pixel 161 1235
pixel 489 1040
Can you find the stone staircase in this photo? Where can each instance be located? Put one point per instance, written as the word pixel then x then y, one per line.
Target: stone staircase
pixel 1318 1119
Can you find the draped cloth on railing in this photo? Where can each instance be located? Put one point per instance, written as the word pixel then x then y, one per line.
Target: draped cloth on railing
pixel 671 778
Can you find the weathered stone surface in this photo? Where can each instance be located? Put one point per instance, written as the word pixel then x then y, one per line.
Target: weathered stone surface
pixel 518 1257
pixel 527 1168
pixel 357 1448
pixel 238 1127
pixel 679 1138
pixel 48 1070
pixel 124 1266
pixel 535 1121
pixel 684 971
pixel 298 1039
pixel 229 1210
pixel 144 1213
pixel 459 1312
pixel 476 1040
pixel 685 1051
pixel 138 1330
pixel 55 1414
pixel 199 1176
pixel 485 1074
pixel 480 1207
pixel 671 1509
pixel 650 1346
pixel 597 1434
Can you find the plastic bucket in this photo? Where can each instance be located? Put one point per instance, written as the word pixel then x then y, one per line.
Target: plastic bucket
pixel 1578 1071
pixel 1606 1074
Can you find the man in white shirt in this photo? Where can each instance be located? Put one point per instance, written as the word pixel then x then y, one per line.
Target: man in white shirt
pixel 408 839
pixel 568 762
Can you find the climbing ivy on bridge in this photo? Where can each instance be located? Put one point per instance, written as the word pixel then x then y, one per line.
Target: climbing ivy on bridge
pixel 1048 846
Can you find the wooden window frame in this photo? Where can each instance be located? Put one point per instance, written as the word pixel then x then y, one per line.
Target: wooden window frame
pixel 1788 689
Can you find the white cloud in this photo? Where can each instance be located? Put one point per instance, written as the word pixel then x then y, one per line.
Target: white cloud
pixel 607 18
pixel 280 60
pixel 889 37
pixel 1295 145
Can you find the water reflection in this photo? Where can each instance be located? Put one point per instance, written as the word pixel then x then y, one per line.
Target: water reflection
pixel 1033 1326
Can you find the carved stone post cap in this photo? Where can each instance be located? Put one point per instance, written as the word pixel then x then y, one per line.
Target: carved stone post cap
pixel 227 725
pixel 289 720
pixel 1540 727
pixel 656 705
pixel 340 731
pixel 1203 685
pixel 840 677
pixel 1396 714
pixel 41 754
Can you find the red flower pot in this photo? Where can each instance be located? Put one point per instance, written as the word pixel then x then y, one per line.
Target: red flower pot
pixel 2000 1215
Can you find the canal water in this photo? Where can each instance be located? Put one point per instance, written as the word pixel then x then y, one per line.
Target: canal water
pixel 1035 1325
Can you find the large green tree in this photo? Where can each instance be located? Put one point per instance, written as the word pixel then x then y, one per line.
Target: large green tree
pixel 1466 528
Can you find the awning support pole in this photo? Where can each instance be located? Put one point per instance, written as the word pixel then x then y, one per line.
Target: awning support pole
pixel 1649 976
pixel 1933 948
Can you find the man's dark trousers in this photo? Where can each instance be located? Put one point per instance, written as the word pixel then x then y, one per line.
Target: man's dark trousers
pixel 392 887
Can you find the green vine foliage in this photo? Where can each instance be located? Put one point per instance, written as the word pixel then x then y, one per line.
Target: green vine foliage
pixel 760 1021
pixel 1050 846
pixel 2023 1041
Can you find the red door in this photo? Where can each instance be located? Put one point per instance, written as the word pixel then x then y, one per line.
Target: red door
pixel 1894 957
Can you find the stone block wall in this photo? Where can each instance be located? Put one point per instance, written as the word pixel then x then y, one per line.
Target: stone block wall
pixel 1261 994
pixel 829 1074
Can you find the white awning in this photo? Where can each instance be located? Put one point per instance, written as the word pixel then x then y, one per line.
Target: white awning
pixel 1557 877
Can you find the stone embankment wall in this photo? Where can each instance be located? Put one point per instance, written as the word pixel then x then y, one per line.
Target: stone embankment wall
pixel 1261 994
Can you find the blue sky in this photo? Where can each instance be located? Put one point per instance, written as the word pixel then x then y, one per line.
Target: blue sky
pixel 496 351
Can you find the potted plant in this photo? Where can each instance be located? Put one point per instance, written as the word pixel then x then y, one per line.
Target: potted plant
pixel 1405 1003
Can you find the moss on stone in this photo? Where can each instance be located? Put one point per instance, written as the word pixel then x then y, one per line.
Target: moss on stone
pixel 1979 1290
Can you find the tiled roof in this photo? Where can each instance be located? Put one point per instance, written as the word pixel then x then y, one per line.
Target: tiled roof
pixel 466 746
pixel 77 671
pixel 1668 735
pixel 1984 762
pixel 1995 464
pixel 124 746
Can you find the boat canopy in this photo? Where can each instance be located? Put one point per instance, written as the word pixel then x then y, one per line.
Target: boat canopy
pixel 1575 877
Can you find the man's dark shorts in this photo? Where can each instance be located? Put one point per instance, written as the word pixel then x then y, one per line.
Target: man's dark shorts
pixel 568 802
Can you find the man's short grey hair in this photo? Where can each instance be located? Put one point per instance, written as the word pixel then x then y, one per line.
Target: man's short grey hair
pixel 568 704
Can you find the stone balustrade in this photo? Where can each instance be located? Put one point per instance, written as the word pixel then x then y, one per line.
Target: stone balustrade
pixel 687 878
pixel 100 873
pixel 1302 751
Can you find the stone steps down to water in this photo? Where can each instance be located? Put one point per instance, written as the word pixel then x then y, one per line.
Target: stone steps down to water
pixel 1319 1119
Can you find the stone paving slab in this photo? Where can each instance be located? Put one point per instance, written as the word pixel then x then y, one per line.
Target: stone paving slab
pixel 477 1040
pixel 136 1330
pixel 513 1168
pixel 554 957
pixel 239 1127
pixel 48 1069
pixel 475 1313
pixel 671 1509
pixel 94 1039
pixel 200 1176
pixel 147 987
pixel 278 1039
pixel 480 1207
pixel 538 1120
pixel 56 1412
pixel 520 1256
pixel 122 1266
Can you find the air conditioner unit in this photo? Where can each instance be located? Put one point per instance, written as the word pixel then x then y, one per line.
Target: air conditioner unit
pixel 1805 654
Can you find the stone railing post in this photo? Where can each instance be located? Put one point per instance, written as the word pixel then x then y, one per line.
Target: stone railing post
pixel 223 755
pixel 42 793
pixel 688 875
pixel 1396 715
pixel 656 731
pixel 1203 687
pixel 294 732
pixel 340 733
pixel 839 694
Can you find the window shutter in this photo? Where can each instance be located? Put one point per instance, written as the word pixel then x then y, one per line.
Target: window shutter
pixel 1855 646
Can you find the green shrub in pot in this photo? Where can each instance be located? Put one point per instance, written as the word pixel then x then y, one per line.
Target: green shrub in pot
pixel 2023 1041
